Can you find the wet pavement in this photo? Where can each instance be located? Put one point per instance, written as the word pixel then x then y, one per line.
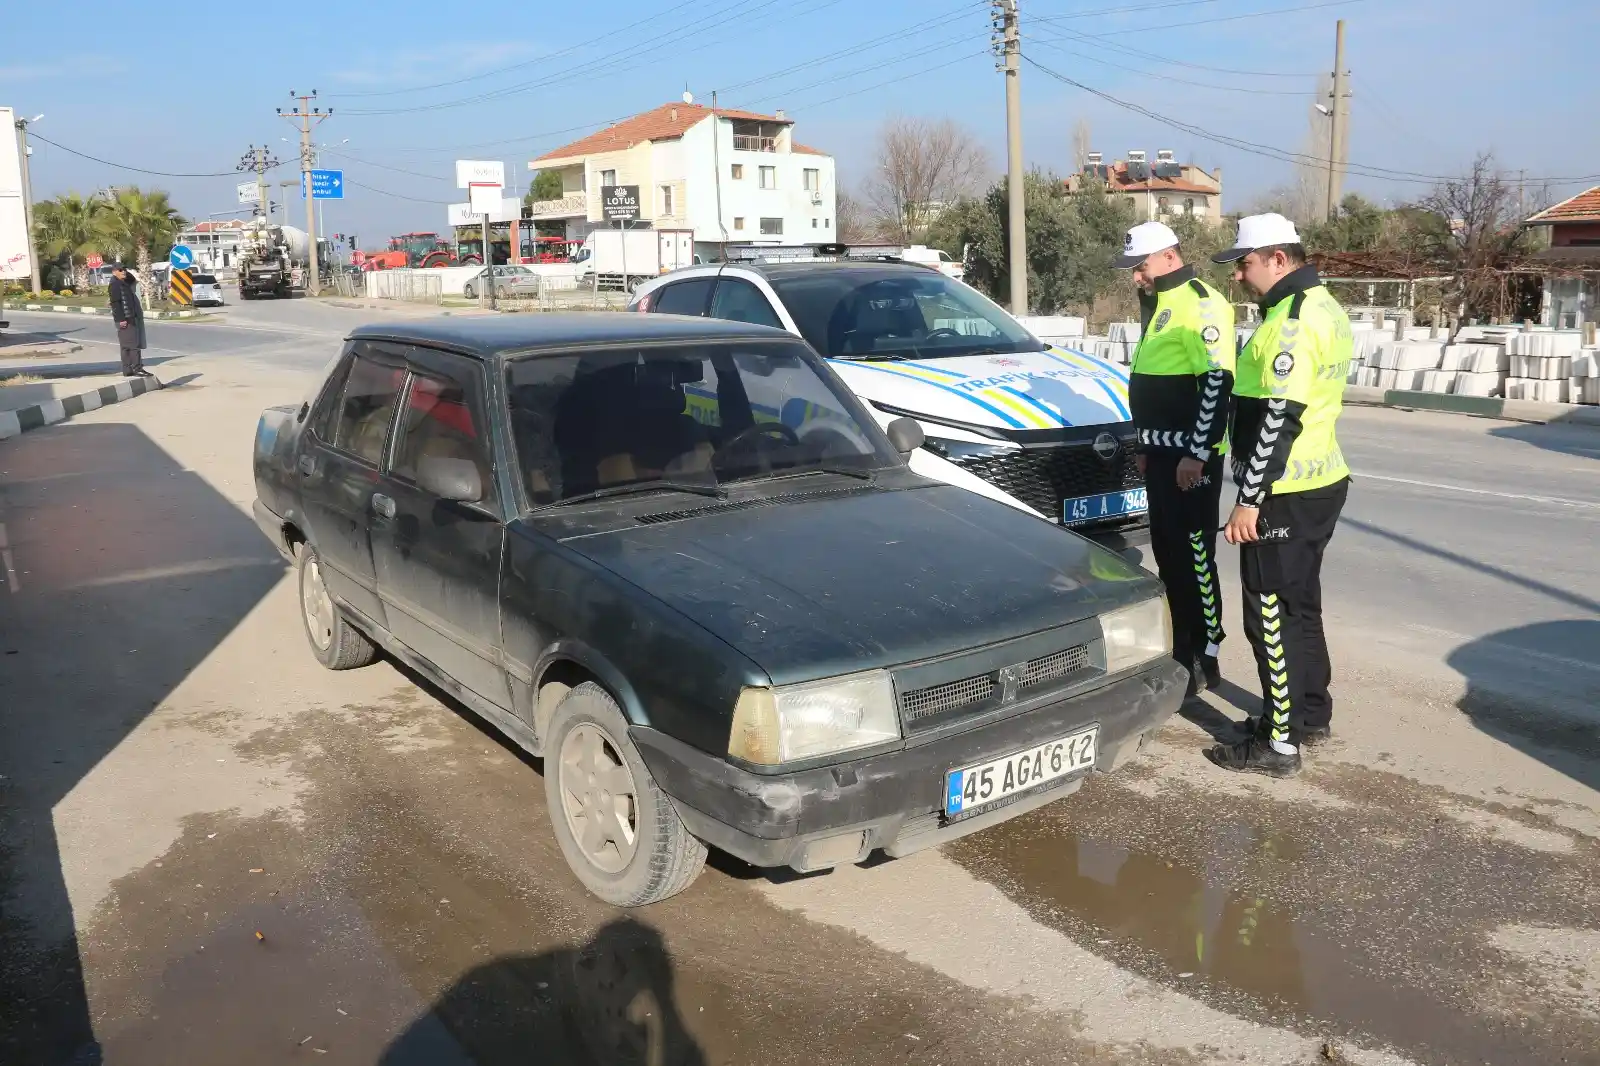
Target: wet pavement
pixel 211 850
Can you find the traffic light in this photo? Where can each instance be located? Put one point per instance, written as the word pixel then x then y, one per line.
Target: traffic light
pixel 352 239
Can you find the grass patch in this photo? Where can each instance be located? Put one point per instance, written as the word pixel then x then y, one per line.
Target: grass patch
pixel 21 379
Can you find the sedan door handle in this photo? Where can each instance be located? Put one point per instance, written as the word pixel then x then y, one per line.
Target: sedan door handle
pixel 382 506
pixel 308 465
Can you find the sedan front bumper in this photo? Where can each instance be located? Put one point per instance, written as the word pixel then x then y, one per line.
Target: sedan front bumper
pixel 817 818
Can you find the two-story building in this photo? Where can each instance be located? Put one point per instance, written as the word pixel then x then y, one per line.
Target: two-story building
pixel 729 176
pixel 1572 283
pixel 1159 191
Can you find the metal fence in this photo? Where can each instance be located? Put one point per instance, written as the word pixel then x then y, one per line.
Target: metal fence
pixel 410 286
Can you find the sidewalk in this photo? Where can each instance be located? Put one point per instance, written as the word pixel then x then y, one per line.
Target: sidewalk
pixel 34 403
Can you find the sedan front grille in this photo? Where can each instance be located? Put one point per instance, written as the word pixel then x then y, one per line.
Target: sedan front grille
pixel 1044 477
pixel 925 708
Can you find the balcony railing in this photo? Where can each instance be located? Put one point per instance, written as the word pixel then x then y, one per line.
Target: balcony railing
pixel 743 142
pixel 566 207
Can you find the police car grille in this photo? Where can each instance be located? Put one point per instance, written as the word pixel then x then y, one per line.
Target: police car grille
pixel 1043 477
pixel 926 708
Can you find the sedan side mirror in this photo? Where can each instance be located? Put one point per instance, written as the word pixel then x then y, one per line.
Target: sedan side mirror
pixel 450 479
pixel 906 435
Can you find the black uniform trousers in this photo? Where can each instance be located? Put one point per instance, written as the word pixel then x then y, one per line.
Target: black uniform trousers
pixel 1183 538
pixel 1282 578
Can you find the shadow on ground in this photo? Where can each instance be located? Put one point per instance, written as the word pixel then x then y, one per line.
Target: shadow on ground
pixel 1580 440
pixel 123 571
pixel 611 1002
pixel 1545 704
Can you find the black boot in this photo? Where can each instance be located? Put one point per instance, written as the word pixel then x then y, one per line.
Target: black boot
pixel 1212 671
pixel 1310 739
pixel 1254 756
pixel 1197 678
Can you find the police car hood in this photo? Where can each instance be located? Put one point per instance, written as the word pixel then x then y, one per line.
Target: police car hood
pixel 817 587
pixel 1047 389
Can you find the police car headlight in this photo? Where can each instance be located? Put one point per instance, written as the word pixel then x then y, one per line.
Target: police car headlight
pixel 959 451
pixel 1136 635
pixel 791 722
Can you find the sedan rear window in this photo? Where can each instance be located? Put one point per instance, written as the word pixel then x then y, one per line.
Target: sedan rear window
pixel 897 314
pixel 203 279
pixel 705 414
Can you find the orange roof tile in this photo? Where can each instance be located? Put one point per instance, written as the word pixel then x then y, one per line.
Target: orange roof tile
pixel 1584 207
pixel 659 124
pixel 806 149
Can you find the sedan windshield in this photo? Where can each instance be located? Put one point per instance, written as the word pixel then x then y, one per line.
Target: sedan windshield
pixel 867 313
pixel 683 418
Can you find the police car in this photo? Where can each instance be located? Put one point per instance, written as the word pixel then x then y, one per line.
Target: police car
pixel 1038 426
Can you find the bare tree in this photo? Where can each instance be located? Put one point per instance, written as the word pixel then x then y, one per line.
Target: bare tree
pixel 1307 199
pixel 921 167
pixel 1082 144
pixel 850 216
pixel 1479 211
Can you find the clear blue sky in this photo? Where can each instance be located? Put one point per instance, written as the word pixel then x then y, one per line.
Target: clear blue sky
pixel 186 89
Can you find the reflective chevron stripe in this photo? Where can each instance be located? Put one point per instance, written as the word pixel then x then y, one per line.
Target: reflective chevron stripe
pixel 1308 469
pixel 1164 438
pixel 1254 489
pixel 1211 398
pixel 1277 666
pixel 1210 597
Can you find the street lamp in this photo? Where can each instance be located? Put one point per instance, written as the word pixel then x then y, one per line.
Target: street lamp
pixel 23 151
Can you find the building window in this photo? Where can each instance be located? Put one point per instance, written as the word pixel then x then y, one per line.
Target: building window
pixel 1188 206
pixel 738 222
pixel 1162 205
pixel 772 227
pixel 811 180
pixel 813 223
pixel 826 224
pixel 608 177
pixel 738 172
pixel 666 200
pixel 769 177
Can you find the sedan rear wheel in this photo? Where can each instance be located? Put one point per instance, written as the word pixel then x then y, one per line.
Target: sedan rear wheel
pixel 616 828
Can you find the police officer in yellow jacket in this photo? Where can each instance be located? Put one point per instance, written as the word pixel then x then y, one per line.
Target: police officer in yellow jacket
pixel 1178 393
pixel 1293 481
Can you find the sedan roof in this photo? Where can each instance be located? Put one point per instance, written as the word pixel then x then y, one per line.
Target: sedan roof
pixel 488 336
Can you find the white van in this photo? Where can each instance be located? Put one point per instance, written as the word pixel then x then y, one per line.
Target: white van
pixel 935 257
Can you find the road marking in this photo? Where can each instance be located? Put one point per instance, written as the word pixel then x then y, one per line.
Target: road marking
pixel 1358 474
pixel 202 566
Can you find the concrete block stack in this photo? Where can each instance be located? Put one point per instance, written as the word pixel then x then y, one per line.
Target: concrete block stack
pixel 1584 384
pixel 1474 369
pixel 1117 348
pixel 1403 364
pixel 1541 365
pixel 1065 330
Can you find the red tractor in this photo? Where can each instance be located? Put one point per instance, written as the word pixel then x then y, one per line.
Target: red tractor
pixel 428 250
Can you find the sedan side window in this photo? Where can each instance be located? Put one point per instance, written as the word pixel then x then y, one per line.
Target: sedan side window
pixel 366 408
pixel 683 297
pixel 739 301
pixel 441 424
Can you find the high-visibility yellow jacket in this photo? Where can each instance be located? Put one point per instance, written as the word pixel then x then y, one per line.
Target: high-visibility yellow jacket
pixel 1182 370
pixel 1289 392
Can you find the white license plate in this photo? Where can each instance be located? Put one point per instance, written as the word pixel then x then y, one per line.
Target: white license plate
pixel 978 786
pixel 1082 509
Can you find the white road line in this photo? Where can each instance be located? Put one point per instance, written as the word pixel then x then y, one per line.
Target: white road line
pixel 1360 474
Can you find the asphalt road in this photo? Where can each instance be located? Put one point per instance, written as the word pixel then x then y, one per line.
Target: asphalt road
pixel 179 776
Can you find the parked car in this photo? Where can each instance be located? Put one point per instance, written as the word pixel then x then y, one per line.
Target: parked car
pixel 510 279
pixel 1038 426
pixel 678 559
pixel 207 290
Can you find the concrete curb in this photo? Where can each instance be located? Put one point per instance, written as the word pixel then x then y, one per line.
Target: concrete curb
pixel 13 423
pixel 94 310
pixel 1566 414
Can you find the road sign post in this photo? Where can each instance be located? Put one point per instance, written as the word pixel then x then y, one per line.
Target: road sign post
pixel 484 180
pixel 620 204
pixel 181 286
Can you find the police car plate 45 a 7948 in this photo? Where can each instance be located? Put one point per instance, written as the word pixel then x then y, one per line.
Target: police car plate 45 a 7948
pixel 987 783
pixel 1081 509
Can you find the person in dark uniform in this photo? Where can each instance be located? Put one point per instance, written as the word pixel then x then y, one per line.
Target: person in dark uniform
pixel 1178 392
pixel 128 314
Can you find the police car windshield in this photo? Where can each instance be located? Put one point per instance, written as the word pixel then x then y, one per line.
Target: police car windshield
pixel 897 313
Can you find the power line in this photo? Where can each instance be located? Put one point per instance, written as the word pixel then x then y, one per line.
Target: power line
pixel 124 166
pixel 1220 18
pixel 879 85
pixel 385 166
pixel 396 195
pixel 1118 46
pixel 1270 152
pixel 1051 43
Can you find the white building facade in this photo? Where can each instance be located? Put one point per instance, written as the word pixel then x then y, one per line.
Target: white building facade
pixel 731 177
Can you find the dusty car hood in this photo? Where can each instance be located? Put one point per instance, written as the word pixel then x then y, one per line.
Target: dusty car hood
pixel 821 587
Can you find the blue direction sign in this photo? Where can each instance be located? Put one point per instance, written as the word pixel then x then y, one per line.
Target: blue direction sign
pixel 182 257
pixel 326 185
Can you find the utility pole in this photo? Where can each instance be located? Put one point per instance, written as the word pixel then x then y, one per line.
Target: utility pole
pixel 27 197
pixel 308 118
pixel 1339 127
pixel 1008 49
pixel 256 161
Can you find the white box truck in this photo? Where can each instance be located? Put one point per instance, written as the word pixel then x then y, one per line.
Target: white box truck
pixel 627 258
pixel 16 264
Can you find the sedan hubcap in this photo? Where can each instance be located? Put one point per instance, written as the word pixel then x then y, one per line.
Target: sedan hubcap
pixel 598 798
pixel 318 606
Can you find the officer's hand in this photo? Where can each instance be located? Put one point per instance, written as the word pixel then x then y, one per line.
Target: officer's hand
pixel 1241 527
pixel 1138 460
pixel 1190 470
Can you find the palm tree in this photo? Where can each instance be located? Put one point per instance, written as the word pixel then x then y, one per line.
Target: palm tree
pixel 141 225
pixel 68 227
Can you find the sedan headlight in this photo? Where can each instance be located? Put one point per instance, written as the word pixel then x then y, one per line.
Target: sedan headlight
pixel 792 722
pixel 1135 635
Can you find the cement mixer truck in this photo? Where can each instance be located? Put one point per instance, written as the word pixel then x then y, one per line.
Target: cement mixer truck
pixel 273 261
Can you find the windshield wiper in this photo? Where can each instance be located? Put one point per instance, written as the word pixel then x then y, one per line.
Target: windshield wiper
pixel 698 488
pixel 803 471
